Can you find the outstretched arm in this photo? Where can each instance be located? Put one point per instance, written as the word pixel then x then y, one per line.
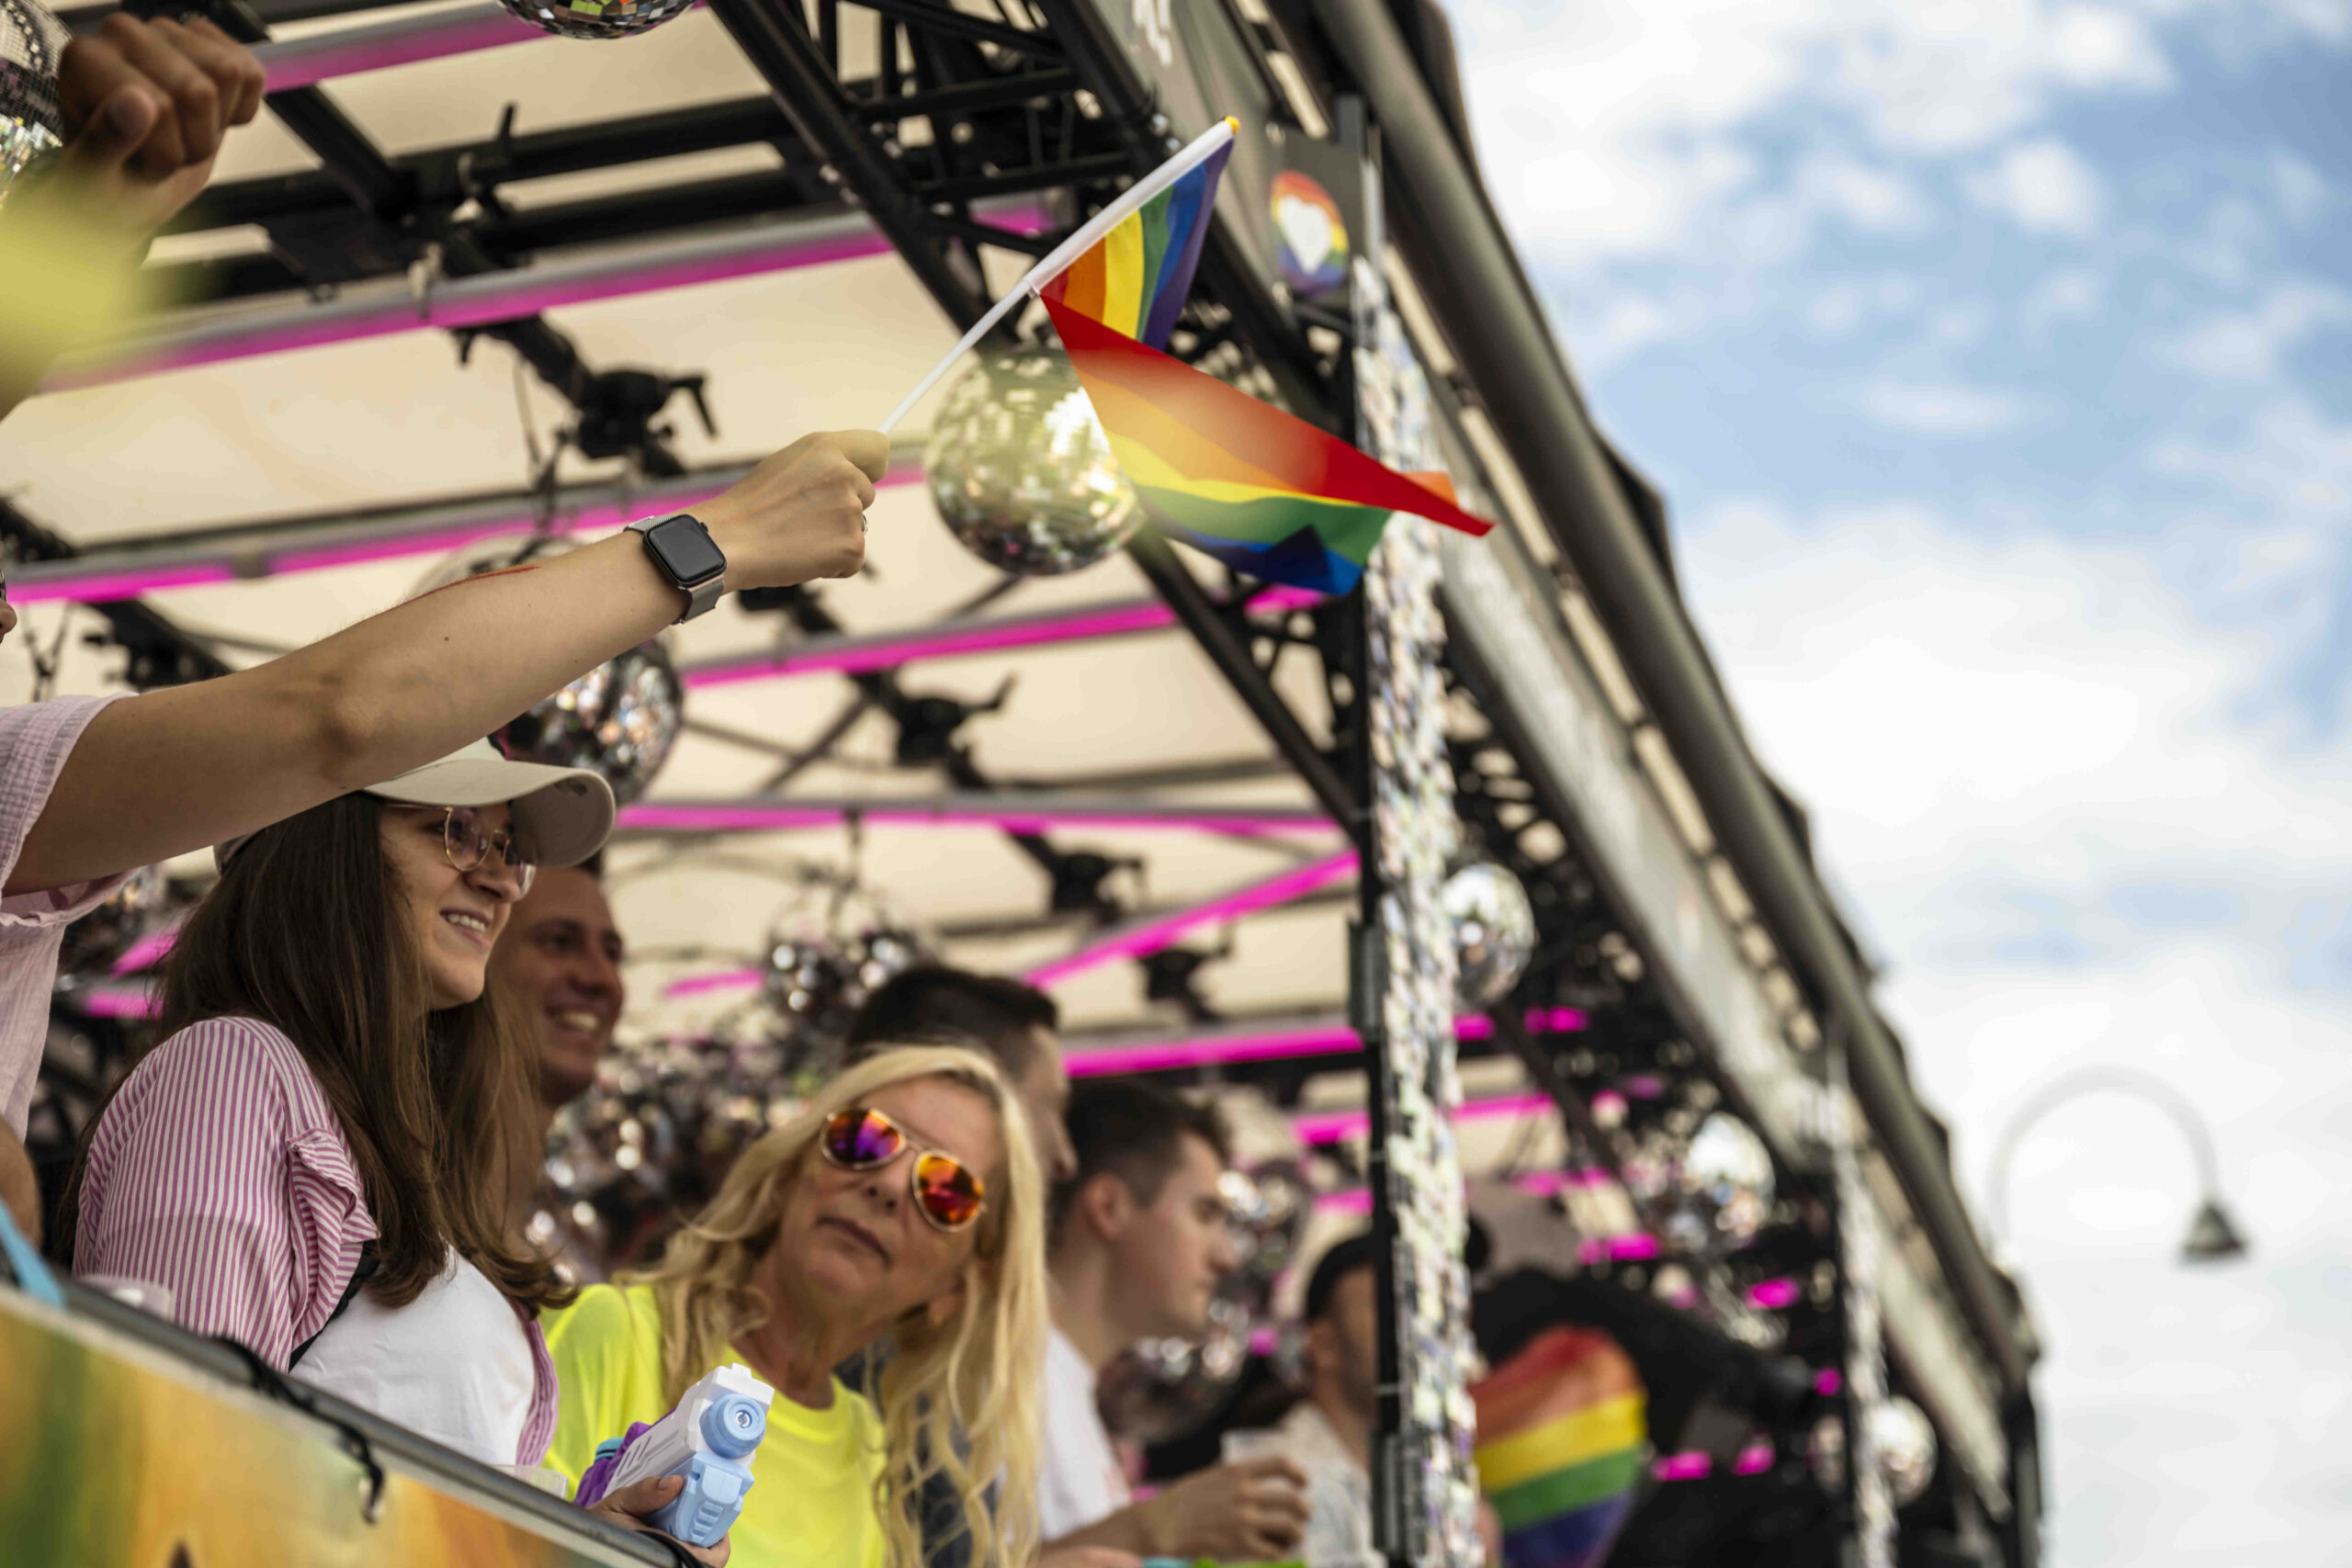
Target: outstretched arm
pixel 177 770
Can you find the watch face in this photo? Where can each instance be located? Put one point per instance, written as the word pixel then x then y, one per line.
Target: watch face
pixel 685 549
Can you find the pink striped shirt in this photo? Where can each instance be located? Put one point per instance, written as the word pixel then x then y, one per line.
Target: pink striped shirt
pixel 221 1173
pixel 35 741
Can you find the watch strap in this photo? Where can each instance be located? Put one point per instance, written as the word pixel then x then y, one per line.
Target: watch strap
pixel 701 595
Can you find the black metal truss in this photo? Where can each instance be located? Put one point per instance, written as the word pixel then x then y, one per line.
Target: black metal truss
pixel 1632 1039
pixel 161 654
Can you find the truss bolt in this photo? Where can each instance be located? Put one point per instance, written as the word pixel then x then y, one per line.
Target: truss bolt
pixel 830 174
pixel 1159 124
pixel 890 148
pixel 961 132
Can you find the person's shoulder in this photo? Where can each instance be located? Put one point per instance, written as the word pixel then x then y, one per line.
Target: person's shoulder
pixel 240 1056
pixel 610 1317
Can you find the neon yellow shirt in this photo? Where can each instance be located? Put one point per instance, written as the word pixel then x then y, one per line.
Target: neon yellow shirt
pixel 812 1498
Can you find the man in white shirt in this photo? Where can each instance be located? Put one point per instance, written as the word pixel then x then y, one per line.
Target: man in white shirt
pixel 1328 1433
pixel 1140 1244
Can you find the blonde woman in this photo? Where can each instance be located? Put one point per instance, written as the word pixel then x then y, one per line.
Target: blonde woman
pixel 901 1209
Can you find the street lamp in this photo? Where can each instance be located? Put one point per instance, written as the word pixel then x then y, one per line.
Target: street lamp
pixel 2213 1234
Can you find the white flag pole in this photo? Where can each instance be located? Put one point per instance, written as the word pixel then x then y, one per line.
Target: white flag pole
pixel 1069 249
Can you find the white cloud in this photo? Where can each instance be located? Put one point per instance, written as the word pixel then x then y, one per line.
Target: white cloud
pixel 2247 345
pixel 2293 464
pixel 1947 705
pixel 1941 409
pixel 2044 188
pixel 2097 46
pixel 2066 294
pixel 2299 190
pixel 1874 199
pixel 1606 129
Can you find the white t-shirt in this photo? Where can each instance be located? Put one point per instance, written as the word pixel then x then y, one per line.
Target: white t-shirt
pixel 1339 1488
pixel 1080 1479
pixel 454 1365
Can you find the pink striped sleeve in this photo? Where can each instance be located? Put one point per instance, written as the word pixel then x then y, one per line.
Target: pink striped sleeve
pixel 538 1425
pixel 212 1176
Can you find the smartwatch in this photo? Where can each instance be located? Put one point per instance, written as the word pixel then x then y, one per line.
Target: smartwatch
pixel 682 548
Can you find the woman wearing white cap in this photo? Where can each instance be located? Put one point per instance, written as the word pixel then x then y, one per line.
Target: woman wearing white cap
pixel 314 1161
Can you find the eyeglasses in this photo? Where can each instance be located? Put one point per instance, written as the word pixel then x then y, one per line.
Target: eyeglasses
pixel 469 844
pixel 860 1138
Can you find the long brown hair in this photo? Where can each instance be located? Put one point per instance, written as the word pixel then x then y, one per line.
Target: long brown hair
pixel 306 931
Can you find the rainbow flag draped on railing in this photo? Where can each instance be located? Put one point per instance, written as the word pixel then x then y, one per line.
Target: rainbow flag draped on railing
pixel 1563 1439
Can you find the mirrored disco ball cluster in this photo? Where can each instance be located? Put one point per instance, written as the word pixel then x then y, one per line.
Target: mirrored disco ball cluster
pixel 631 1160
pixel 597 18
pixel 103 937
pixel 1494 932
pixel 621 718
pixel 1020 471
pixel 31 38
pixel 814 983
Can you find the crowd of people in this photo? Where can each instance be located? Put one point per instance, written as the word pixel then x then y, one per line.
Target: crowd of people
pixel 407 964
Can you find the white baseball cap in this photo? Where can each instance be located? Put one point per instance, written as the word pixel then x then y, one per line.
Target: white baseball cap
pixel 561 814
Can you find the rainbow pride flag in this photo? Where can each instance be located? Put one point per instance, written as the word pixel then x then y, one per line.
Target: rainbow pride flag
pixel 1135 279
pixel 1267 494
pixel 1563 1439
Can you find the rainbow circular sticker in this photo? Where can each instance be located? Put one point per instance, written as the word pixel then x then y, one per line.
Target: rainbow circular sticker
pixel 1314 242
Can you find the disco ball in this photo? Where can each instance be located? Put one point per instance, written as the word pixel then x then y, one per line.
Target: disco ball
pixel 597 18
pixel 1022 474
pixel 1159 1389
pixel 1494 932
pixel 99 940
pixel 1905 1441
pixel 816 980
pixel 1729 1169
pixel 621 718
pixel 649 1146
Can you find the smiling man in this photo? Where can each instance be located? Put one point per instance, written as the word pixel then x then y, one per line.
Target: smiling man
pixel 560 957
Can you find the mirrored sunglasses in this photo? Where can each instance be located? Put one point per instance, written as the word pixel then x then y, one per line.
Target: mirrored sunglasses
pixel 860 1138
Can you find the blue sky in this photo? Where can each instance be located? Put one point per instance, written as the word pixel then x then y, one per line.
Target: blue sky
pixel 1992 357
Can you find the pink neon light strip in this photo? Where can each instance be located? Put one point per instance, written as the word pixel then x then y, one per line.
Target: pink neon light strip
pixel 1164 1056
pixel 1145 940
pixel 1827 1381
pixel 307 61
pixel 732 819
pixel 1772 1294
pixel 148 950
pixel 1682 1467
pixel 1636 1249
pixel 955 642
pixel 117 1001
pixel 1755 1459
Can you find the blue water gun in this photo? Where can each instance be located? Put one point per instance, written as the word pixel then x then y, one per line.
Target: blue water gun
pixel 709 1439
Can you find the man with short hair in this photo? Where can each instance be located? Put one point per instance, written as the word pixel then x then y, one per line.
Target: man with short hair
pixel 1013 1022
pixel 560 958
pixel 1140 1244
pixel 1328 1433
